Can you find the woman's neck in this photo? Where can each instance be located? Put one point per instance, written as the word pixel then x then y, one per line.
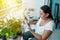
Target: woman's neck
pixel 46 19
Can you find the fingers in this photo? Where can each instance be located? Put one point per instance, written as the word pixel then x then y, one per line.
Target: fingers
pixel 28 24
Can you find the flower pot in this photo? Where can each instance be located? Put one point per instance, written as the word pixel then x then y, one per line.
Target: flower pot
pixel 4 38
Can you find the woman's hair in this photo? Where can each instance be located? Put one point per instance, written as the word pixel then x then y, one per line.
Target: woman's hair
pixel 47 9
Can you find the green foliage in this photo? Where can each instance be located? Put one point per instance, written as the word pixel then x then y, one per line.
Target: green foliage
pixel 11 27
pixel 4 31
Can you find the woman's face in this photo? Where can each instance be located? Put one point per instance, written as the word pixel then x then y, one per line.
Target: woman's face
pixel 43 15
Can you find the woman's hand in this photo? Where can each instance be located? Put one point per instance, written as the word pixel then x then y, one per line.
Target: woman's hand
pixel 29 27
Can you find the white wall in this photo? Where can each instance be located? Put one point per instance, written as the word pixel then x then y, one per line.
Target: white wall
pixel 36 4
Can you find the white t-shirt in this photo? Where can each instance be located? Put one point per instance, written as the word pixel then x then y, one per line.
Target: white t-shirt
pixel 49 26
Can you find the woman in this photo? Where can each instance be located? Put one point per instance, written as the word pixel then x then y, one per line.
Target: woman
pixel 44 26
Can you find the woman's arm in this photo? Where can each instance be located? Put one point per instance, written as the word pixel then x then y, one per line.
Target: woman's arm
pixel 44 36
pixel 32 21
pixel 35 34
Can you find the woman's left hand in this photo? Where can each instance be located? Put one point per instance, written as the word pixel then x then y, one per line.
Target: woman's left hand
pixel 29 27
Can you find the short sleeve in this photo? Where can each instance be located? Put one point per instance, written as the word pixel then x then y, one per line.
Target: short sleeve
pixel 50 26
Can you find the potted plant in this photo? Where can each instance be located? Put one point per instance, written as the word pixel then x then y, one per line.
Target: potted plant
pixel 10 28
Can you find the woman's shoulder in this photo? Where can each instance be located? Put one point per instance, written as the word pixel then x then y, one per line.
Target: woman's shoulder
pixel 51 22
pixel 50 26
pixel 38 22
